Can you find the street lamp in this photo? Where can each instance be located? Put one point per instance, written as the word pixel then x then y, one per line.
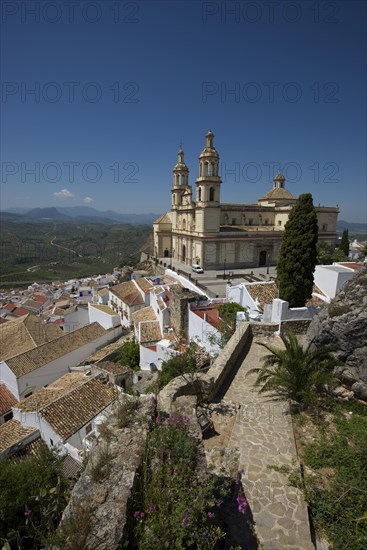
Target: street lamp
pixel 224 269
pixel 267 269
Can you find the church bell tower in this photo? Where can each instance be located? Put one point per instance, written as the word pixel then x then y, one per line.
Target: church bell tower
pixel 208 189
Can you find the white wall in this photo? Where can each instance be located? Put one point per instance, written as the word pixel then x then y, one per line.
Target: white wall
pixel 148 356
pixel 77 319
pixel 106 320
pixel 238 293
pixel 46 374
pixel 331 281
pixel 200 331
pixel 186 283
pixel 50 437
pixel 76 440
pixel 280 311
pixel 35 420
pixel 8 378
pixel 163 316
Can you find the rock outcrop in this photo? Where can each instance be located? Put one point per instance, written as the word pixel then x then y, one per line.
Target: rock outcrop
pixel 343 325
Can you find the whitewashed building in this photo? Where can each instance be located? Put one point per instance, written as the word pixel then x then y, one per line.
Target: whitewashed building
pixel 64 412
pixel 37 367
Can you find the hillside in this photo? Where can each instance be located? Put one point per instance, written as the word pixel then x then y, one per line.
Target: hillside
pixel 76 214
pixel 33 251
pixel 343 325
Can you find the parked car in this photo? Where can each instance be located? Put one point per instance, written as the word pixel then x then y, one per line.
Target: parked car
pixel 197 269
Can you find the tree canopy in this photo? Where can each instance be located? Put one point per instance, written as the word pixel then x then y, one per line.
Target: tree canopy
pixel 298 253
pixel 344 243
pixel 130 355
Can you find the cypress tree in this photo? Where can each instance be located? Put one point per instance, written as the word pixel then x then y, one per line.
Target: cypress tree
pixel 298 253
pixel 344 243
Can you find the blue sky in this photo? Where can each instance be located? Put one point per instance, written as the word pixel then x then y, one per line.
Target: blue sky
pixel 115 92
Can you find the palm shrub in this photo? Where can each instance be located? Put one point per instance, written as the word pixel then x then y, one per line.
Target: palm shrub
pixel 296 372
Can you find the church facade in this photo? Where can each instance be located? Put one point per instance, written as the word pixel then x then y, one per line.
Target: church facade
pixel 212 234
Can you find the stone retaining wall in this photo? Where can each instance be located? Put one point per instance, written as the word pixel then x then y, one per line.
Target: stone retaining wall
pixel 209 384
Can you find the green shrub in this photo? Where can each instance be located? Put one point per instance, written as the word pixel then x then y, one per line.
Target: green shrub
pixel 33 495
pixel 124 411
pixel 101 463
pixel 130 355
pixel 338 502
pixel 174 508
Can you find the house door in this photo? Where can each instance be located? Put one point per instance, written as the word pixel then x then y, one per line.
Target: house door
pixel 262 258
pixel 166 253
pixel 183 253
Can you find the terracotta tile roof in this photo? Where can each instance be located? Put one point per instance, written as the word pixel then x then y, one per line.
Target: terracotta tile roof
pixel 277 193
pixel 7 399
pixel 74 410
pixel 31 449
pixel 316 300
pixel 62 304
pixel 12 432
pixel 23 334
pixel 113 368
pixel 150 331
pixel 32 304
pixel 71 467
pixel 35 358
pixel 168 280
pixel 265 293
pixel 161 304
pixel 123 289
pixel 104 308
pixel 20 311
pixel 40 298
pixel 103 291
pixel 144 314
pixel 158 290
pixel 134 299
pixel 2 320
pixel 144 284
pixel 352 265
pixel 10 307
pixel 41 398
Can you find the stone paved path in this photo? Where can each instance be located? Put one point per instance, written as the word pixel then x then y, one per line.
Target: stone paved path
pixel 264 435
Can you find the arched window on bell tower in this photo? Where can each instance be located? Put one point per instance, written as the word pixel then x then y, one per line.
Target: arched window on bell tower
pixel 211 194
pixel 199 194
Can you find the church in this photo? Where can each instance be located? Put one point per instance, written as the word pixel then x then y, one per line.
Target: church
pixel 212 234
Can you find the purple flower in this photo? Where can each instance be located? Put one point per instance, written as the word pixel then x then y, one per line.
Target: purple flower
pixel 158 420
pixel 242 502
pixel 136 514
pixel 185 520
pixel 27 512
pixel 152 507
pixel 210 514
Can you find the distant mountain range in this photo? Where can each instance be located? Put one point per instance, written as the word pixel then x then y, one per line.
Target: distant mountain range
pixel 87 214
pixel 75 214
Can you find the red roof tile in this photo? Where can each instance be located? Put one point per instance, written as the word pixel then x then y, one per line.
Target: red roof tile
pixel 41 299
pixel 7 399
pixel 20 311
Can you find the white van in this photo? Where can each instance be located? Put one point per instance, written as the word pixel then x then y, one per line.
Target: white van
pixel 197 269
